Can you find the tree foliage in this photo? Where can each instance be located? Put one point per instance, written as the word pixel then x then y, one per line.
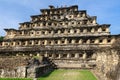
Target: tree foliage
pixel 1 38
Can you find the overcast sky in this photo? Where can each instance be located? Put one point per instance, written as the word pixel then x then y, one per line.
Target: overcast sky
pixel 13 12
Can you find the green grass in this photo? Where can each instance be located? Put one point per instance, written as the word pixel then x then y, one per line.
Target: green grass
pixel 62 74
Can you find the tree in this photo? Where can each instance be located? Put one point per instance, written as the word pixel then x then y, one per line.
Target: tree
pixel 1 38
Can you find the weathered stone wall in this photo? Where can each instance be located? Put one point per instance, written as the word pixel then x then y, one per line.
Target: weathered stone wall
pixel 20 71
pixel 74 63
pixel 108 64
pixel 13 66
pixel 21 67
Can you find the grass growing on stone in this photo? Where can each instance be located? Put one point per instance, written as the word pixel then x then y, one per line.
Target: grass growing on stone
pixel 62 74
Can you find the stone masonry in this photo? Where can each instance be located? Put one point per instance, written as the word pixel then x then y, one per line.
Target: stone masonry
pixel 66 37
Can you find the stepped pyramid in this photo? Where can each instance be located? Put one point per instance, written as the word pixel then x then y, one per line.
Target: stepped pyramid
pixel 66 35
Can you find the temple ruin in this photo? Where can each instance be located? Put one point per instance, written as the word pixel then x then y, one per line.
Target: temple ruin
pixel 65 35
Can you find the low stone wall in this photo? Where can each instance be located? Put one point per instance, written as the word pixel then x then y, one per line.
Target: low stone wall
pixel 18 72
pixel 23 67
pixel 74 63
pixel 13 66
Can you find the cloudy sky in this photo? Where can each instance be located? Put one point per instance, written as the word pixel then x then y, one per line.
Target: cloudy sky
pixel 13 12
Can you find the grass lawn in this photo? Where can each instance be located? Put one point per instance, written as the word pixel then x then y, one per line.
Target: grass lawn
pixel 62 74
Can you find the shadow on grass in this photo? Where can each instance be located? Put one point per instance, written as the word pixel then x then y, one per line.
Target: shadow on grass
pixel 48 74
